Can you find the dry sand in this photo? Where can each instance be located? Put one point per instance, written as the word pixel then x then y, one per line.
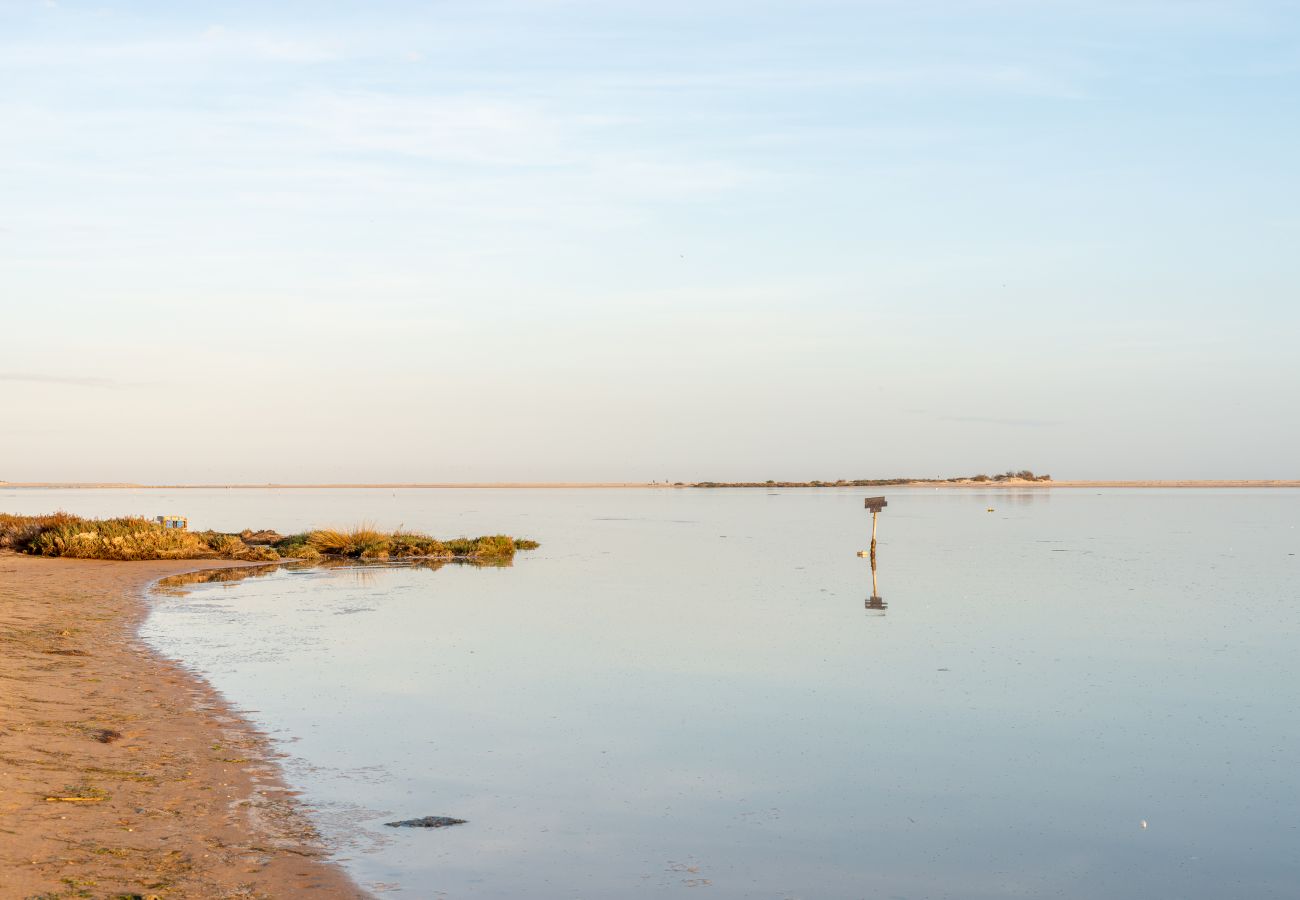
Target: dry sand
pixel 186 802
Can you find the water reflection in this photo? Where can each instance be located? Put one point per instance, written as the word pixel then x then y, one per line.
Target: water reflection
pixel 174 585
pixel 875 601
pixel 1013 496
pixel 364 569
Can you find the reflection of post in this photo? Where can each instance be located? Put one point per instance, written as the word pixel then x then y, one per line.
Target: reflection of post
pixel 875 601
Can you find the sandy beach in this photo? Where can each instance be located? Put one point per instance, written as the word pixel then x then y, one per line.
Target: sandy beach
pixel 121 774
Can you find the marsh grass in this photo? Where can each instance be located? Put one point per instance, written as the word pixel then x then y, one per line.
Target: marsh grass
pixel 363 541
pixel 297 546
pixel 366 542
pixel 63 534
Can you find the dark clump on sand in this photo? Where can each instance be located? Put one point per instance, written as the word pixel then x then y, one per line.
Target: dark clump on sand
pixel 426 822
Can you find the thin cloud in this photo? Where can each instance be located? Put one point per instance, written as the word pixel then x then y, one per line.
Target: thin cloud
pixel 1011 423
pixel 1006 78
pixel 37 378
pixel 214 44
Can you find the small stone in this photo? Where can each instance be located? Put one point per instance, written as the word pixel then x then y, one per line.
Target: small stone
pixel 426 822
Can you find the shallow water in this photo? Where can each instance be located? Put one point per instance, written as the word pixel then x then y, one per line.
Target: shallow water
pixel 684 691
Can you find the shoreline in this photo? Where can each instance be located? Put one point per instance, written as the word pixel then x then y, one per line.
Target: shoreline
pixel 1071 484
pixel 597 485
pixel 160 788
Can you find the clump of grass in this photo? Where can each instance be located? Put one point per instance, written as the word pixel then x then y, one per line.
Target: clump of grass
pixel 495 546
pixel 364 541
pixel 232 546
pixel 296 546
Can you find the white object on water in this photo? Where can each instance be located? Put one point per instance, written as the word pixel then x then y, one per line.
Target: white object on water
pixel 1144 824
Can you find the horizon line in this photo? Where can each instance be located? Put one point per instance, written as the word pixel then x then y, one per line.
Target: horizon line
pixel 497 485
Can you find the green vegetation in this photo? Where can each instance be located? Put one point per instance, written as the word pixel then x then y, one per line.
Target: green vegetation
pixel 366 542
pixel 63 534
pixel 1021 475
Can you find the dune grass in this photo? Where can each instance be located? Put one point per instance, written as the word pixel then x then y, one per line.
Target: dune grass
pixel 63 534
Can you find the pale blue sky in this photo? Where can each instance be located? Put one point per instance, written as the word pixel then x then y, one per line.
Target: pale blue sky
pixel 580 240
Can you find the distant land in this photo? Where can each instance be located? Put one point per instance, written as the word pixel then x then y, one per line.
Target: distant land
pixel 1005 480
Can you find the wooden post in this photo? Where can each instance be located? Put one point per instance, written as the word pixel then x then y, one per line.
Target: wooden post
pixel 875 504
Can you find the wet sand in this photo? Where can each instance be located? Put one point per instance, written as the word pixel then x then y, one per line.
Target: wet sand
pixel 121 773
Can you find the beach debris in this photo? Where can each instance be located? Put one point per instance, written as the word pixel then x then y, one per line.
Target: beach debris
pixel 78 793
pixel 75 799
pixel 106 735
pixel 426 822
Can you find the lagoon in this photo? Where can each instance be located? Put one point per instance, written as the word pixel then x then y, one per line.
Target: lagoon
pixel 686 691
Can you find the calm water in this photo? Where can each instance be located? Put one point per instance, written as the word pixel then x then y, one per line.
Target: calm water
pixel 685 693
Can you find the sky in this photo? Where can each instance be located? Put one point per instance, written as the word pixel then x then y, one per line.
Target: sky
pixel 575 240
